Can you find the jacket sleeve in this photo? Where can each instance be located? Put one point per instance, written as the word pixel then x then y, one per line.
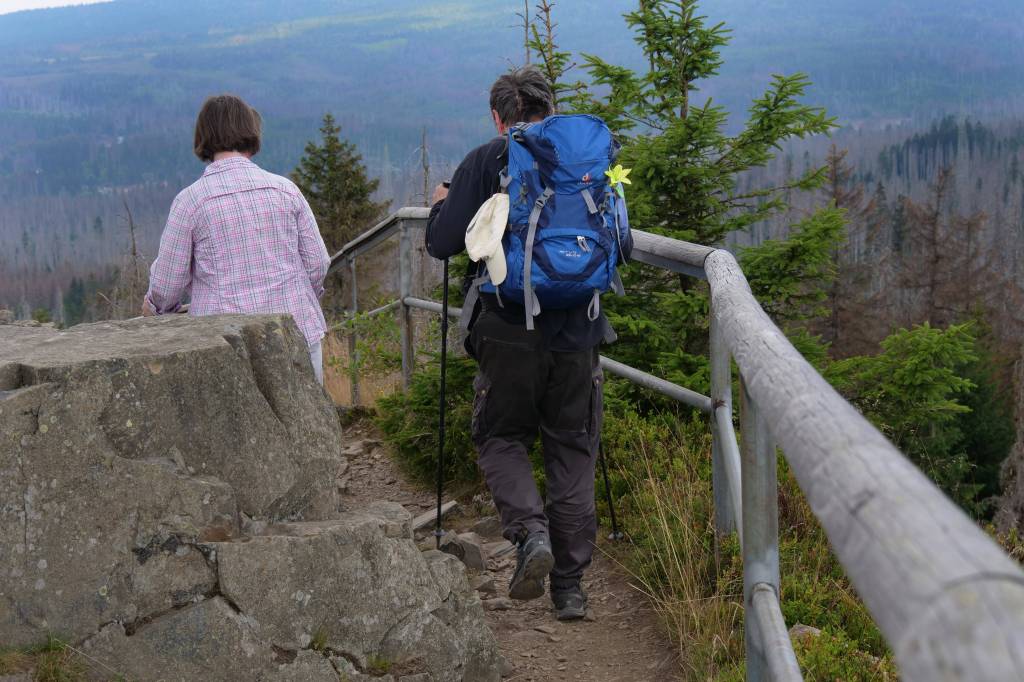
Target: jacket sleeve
pixel 449 218
pixel 171 273
pixel 312 249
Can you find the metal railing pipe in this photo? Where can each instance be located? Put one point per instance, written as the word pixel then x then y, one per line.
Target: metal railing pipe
pixel 432 306
pixel 378 233
pixel 373 313
pixel 387 307
pixel 780 660
pixel 671 254
pixel 730 451
pixel 674 391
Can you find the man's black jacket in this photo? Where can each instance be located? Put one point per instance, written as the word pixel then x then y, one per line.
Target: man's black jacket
pixel 475 180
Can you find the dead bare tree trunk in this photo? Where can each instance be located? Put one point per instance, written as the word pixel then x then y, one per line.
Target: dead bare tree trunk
pixel 425 161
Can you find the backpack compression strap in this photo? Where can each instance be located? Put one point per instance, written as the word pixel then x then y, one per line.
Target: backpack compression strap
pixel 530 302
pixel 472 296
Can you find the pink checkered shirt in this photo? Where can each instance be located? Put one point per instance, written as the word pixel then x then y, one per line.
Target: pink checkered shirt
pixel 244 241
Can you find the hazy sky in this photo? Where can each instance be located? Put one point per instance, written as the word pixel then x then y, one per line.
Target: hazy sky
pixel 7 6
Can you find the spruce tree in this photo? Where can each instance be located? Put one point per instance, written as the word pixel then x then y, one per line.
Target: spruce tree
pixel 334 181
pixel 686 168
pixel 554 62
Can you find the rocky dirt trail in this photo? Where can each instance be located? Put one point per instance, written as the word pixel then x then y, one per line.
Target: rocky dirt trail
pixel 621 638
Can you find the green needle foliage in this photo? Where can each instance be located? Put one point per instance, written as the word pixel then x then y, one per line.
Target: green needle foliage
pixel 913 391
pixel 686 168
pixel 554 62
pixel 788 275
pixel 333 179
pixel 409 421
pixel 685 165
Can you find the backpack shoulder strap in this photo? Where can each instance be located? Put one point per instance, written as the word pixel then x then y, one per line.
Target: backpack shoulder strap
pixel 530 301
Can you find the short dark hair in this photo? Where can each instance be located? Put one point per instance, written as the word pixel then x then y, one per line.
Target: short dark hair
pixel 227 124
pixel 522 95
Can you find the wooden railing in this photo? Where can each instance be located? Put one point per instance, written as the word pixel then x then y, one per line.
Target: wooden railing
pixel 948 600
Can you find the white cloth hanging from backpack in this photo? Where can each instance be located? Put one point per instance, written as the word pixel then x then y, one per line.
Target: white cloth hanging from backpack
pixel 484 235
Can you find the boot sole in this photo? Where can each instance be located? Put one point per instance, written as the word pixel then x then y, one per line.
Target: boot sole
pixel 571 613
pixel 530 584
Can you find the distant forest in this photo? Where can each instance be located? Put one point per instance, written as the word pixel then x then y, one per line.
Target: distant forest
pixel 97 103
pixel 935 233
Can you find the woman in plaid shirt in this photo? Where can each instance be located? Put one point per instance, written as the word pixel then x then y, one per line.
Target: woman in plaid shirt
pixel 240 239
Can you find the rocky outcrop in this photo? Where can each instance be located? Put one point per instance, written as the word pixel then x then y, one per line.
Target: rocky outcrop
pixel 229 397
pixel 169 501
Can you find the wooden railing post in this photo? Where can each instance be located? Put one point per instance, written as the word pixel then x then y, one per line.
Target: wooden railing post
pixel 404 291
pixel 760 526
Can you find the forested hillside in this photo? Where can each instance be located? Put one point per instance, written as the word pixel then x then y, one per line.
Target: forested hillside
pixel 936 227
pixel 97 102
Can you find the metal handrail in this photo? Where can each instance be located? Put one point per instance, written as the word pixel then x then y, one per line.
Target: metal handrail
pixel 947 599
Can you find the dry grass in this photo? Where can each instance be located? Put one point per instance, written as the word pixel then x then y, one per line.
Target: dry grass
pixel 54 661
pixel 700 604
pixel 337 379
pixel 15 662
pixel 665 477
pixel 62 664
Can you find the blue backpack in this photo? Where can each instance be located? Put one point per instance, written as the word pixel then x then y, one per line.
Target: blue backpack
pixel 567 225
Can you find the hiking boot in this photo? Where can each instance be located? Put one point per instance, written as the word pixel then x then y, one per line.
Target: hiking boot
pixel 570 602
pixel 534 561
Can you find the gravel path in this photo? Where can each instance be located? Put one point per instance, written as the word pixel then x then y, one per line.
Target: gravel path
pixel 621 638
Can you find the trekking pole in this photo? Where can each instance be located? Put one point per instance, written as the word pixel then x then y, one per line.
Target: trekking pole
pixel 616 533
pixel 441 406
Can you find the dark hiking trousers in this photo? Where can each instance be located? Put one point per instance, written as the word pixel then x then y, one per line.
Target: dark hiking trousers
pixel 522 389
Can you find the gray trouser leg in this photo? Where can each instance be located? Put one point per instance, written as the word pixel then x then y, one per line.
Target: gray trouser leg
pixel 509 475
pixel 522 390
pixel 572 518
pixel 569 460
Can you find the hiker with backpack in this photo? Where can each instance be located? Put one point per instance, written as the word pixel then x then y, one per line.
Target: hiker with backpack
pixel 540 209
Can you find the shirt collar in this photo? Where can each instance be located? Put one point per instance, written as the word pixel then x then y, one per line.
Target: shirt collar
pixel 227 164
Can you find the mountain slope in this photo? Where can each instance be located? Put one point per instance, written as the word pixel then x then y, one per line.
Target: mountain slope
pixel 97 102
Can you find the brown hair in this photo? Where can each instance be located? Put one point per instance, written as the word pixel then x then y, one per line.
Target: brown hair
pixel 522 96
pixel 227 124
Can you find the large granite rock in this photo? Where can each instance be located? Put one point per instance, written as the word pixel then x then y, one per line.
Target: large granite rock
pixel 359 587
pixel 230 396
pixel 168 501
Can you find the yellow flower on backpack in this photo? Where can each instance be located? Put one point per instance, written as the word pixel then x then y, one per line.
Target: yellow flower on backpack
pixel 619 176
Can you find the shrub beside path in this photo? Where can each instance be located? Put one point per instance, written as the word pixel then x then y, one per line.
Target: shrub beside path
pixel 621 639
